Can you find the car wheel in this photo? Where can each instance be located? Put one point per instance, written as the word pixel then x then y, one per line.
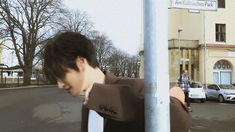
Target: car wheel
pixel 203 100
pixel 221 98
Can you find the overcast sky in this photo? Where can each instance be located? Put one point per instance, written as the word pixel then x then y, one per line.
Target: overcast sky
pixel 118 19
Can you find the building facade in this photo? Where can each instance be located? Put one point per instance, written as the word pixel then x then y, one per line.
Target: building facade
pixel 203 42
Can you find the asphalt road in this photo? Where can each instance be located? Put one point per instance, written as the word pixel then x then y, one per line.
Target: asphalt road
pixel 39 110
pixel 213 117
pixel 53 110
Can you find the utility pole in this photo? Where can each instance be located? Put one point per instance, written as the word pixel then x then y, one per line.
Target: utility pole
pixel 156 76
pixel 205 50
pixel 179 46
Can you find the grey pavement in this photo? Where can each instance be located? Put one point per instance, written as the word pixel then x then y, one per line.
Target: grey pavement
pixel 47 109
pixel 213 117
pixel 44 109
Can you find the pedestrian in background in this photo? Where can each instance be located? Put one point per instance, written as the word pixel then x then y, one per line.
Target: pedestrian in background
pixel 184 83
pixel 70 60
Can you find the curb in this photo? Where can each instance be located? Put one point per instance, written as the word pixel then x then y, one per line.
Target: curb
pixel 27 87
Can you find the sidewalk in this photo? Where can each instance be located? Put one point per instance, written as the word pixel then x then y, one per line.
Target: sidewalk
pixel 29 86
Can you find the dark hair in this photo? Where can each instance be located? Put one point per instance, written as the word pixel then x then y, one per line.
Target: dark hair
pixel 61 52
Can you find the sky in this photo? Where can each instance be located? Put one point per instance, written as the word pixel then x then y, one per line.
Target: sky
pixel 119 20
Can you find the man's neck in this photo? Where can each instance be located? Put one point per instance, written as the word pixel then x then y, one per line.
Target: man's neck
pixel 99 76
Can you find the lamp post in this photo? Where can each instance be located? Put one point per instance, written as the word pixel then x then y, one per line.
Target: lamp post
pixel 179 45
pixel 205 49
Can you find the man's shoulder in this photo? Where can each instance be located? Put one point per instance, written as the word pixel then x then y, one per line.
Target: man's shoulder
pixel 112 79
pixel 131 80
pixel 180 116
pixel 136 85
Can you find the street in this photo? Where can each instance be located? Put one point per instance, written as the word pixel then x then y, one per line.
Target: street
pixel 53 110
pixel 39 110
pixel 212 116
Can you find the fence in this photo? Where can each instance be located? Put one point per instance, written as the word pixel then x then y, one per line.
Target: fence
pixel 6 82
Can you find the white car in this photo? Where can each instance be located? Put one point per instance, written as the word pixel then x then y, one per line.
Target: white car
pixel 197 92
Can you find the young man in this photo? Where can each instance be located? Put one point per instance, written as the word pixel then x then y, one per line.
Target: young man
pixel 70 59
pixel 184 83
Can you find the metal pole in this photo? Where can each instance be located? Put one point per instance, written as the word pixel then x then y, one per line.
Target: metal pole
pixel 156 76
pixel 205 54
pixel 179 44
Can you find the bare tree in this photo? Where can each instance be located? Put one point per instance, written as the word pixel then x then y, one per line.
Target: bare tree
pixel 123 64
pixel 28 24
pixel 118 62
pixel 133 66
pixel 103 46
pixel 76 21
pixel 113 60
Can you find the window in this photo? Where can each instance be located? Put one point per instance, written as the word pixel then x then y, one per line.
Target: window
pixel 222 65
pixel 221 3
pixel 211 86
pixel 216 77
pixel 225 77
pixel 222 72
pixel 220 34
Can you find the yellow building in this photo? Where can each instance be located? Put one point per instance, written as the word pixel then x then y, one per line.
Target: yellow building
pixel 203 43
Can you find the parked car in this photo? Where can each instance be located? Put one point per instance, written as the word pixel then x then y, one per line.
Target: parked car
pixel 221 92
pixel 197 92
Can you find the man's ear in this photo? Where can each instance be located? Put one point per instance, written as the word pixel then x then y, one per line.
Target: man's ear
pixel 81 63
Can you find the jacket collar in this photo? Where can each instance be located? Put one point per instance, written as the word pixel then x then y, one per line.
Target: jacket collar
pixel 110 78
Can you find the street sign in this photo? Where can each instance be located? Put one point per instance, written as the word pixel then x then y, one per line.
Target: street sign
pixel 184 59
pixel 181 60
pixel 195 4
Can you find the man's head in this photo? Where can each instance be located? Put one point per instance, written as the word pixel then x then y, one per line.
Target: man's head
pixel 185 71
pixel 68 52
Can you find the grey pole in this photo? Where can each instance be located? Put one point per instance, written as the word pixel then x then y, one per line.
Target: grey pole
pixel 156 76
pixel 179 44
pixel 205 50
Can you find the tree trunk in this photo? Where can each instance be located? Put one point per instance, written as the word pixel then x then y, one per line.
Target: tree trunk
pixel 27 75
